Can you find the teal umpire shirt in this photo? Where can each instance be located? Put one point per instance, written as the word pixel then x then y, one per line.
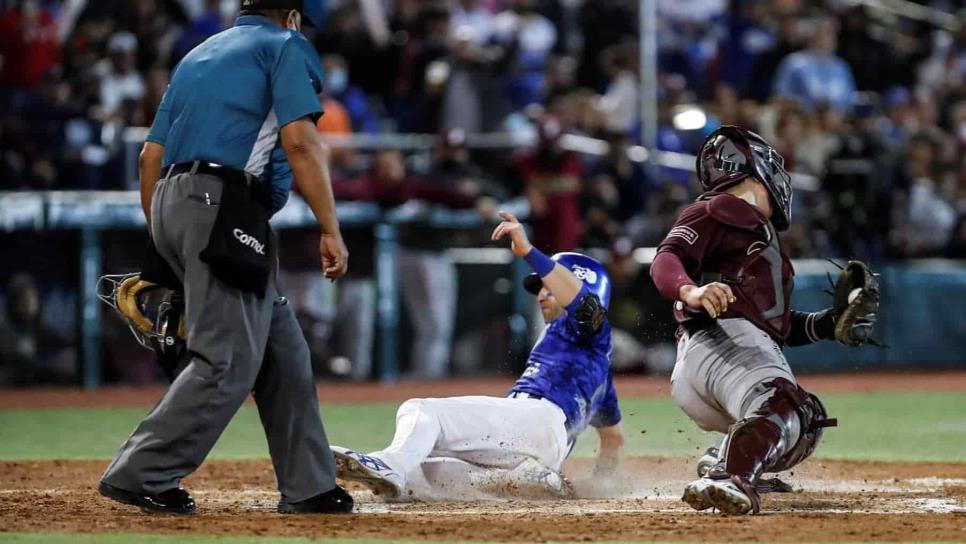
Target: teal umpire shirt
pixel 229 97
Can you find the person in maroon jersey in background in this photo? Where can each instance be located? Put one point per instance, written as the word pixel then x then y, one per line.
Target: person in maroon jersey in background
pixel 427 276
pixel 29 46
pixel 551 179
pixel 724 267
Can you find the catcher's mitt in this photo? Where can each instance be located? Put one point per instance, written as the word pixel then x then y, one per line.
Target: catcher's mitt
pixel 856 303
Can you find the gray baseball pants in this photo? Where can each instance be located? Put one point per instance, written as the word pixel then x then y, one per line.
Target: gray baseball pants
pixel 239 344
pixel 720 373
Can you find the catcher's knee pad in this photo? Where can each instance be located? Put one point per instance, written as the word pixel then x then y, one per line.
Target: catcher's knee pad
pixel 814 420
pixel 761 443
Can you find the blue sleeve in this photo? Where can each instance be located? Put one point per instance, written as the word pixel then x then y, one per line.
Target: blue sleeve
pixel 608 411
pixel 296 82
pixel 162 120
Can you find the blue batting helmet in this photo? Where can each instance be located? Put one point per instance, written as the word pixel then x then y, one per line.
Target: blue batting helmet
pixel 313 11
pixel 587 269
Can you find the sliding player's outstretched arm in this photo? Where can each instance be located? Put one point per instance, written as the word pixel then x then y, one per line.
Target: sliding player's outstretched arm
pixel 564 285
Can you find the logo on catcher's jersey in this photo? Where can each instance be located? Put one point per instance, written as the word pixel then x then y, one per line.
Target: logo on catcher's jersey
pixel 584 274
pixel 687 234
pixel 756 246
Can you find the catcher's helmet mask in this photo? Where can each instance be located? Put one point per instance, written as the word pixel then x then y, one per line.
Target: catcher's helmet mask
pixel 154 314
pixel 731 154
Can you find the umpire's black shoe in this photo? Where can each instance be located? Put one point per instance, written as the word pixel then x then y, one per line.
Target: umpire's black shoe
pixel 336 501
pixel 175 501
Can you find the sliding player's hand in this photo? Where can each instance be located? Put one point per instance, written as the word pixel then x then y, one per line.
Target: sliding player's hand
pixel 511 227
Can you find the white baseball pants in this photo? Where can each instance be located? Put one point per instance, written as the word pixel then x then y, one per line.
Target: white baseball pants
pixel 438 440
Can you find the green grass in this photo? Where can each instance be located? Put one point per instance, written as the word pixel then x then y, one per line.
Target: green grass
pixel 875 426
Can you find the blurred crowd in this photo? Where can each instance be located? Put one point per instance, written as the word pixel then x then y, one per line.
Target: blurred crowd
pixel 870 105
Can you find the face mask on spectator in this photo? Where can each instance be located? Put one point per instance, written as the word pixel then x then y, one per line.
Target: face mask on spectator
pixel 337 81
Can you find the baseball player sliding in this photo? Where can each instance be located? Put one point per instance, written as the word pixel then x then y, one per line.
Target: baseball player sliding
pixel 724 266
pixel 518 442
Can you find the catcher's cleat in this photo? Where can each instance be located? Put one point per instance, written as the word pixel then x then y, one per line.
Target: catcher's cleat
pixel 696 494
pixel 724 495
pixel 175 501
pixel 707 461
pixel 368 470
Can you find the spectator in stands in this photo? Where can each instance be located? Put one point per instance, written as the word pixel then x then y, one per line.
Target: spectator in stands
pixel 206 24
pixel 29 45
pixel 552 180
pixel 31 352
pixel 427 277
pixel 470 20
pixel 688 34
pixel 621 102
pixel 816 76
pixel 528 39
pixel 339 88
pixel 931 217
pixel 122 86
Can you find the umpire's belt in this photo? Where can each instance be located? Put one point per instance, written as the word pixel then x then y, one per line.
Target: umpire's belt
pixel 227 174
pixel 224 173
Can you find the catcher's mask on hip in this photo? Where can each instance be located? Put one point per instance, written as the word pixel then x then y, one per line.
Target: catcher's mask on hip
pixel 154 314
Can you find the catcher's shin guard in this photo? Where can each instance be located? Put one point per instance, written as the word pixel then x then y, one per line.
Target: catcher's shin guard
pixel 760 443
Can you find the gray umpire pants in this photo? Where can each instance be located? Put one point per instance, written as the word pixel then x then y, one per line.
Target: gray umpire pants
pixel 239 344
pixel 720 373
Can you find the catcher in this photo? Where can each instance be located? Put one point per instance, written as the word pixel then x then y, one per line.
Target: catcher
pixel 724 267
pixel 514 445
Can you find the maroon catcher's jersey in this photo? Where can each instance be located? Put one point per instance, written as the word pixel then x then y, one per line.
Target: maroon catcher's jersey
pixel 725 239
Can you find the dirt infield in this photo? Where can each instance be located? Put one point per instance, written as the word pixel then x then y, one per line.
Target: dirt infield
pixel 344 393
pixel 835 501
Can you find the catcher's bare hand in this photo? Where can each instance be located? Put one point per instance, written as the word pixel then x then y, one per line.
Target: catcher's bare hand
pixel 511 227
pixel 335 256
pixel 712 298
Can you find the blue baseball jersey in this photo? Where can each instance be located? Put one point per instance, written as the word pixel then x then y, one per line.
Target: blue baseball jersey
pixel 573 372
pixel 230 96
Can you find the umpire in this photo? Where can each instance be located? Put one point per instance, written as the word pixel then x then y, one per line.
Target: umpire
pixel 235 126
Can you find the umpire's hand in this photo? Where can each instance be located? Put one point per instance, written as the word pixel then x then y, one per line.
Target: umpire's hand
pixel 335 256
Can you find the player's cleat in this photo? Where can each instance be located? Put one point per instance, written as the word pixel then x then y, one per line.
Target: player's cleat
pixel 532 479
pixel 368 470
pixel 763 485
pixel 708 460
pixel 696 494
pixel 175 501
pixel 336 501
pixel 724 495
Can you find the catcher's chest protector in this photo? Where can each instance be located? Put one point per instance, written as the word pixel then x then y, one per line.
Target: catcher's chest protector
pixel 759 272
